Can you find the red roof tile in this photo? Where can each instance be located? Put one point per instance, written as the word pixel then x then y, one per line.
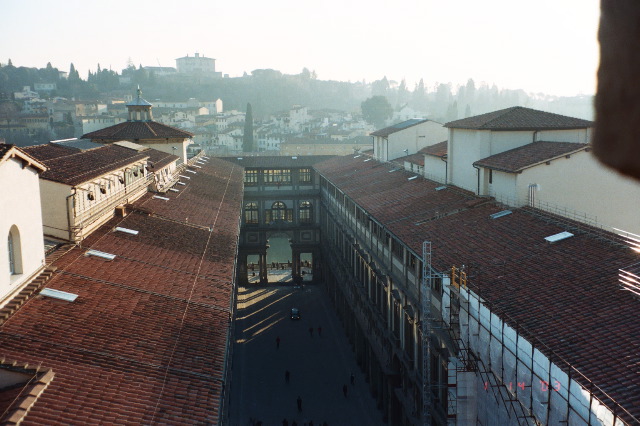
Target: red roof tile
pixel 81 166
pixel 137 130
pixel 437 150
pixel 564 297
pixel 518 159
pixel 146 339
pixel 519 118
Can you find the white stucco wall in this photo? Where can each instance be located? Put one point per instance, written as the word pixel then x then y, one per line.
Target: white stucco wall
pixel 54 210
pixel 20 206
pixel 583 185
pixel 413 139
pixel 464 147
pixel 435 168
pixel 468 146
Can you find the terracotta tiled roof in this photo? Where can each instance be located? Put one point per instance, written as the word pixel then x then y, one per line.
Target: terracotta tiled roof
pixel 519 118
pixel 81 166
pixel 518 159
pixel 137 130
pixel 398 127
pixel 437 150
pixel 146 340
pixel 564 297
pixel 4 148
pixel 49 151
pixel 160 159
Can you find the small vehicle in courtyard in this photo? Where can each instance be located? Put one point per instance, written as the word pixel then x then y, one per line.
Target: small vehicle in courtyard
pixel 295 313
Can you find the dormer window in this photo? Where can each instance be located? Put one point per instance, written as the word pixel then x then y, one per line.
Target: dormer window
pixel 90 196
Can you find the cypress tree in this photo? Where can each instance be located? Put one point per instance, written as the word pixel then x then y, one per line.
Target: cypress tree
pixel 247 138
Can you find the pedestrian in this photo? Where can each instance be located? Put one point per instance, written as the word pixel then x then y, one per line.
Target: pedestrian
pixel 311 331
pixel 353 379
pixel 319 331
pixel 299 403
pixel 345 390
pixel 325 424
pixel 278 342
pixel 285 422
pixel 294 423
pixel 310 422
pixel 286 376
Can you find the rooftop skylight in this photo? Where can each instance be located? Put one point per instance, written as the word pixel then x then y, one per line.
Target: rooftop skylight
pixel 184 177
pixel 192 171
pixel 173 190
pixel 126 230
pixel 181 183
pixel 368 159
pixel 500 214
pixel 558 237
pixel 161 198
pixel 101 254
pixel 413 177
pixel 58 294
pixel 440 188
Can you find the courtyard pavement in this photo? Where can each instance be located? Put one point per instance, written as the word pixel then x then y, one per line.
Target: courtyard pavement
pixel 319 365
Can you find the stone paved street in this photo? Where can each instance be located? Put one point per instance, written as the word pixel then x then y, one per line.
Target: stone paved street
pixel 319 365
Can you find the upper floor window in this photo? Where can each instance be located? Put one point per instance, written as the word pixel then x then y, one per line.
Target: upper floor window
pixel 277 176
pixel 251 177
pixel 279 212
pixel 305 175
pixel 306 212
pixel 251 213
pixel 14 251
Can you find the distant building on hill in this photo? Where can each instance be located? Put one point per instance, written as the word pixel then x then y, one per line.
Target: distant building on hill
pixel 197 65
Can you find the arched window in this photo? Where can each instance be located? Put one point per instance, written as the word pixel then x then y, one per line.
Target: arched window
pixel 14 249
pixel 306 212
pixel 251 213
pixel 278 211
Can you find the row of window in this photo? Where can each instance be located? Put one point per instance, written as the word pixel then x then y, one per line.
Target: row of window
pixel 275 176
pixel 278 212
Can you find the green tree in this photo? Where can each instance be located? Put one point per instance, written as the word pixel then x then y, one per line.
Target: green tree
pixel 376 110
pixel 247 138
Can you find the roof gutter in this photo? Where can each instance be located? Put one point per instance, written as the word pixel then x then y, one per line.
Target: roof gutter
pixel 446 166
pixel 478 172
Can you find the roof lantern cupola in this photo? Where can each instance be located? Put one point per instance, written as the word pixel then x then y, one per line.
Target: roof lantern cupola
pixel 139 108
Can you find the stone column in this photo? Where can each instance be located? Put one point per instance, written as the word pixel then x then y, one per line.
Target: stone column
pixel 263 269
pixel 242 269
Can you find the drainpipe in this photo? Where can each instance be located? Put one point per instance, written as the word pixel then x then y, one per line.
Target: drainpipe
pixel 478 171
pixel 446 166
pixel 69 212
pixel 535 132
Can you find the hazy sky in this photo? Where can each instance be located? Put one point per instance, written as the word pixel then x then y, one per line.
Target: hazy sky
pixel 547 46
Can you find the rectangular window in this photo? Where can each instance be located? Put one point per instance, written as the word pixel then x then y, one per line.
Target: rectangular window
pixel 305 175
pixel 490 176
pixel 250 177
pixel 277 176
pixel 396 248
pixel 251 217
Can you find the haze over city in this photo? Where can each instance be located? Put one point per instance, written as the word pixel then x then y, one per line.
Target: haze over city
pixel 540 47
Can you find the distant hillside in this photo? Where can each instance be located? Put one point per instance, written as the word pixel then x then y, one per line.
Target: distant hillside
pixel 270 91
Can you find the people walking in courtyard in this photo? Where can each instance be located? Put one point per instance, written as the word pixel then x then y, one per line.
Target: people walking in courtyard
pixel 353 379
pixel 311 331
pixel 285 422
pixel 278 342
pixel 345 389
pixel 287 375
pixel 299 401
pixel 319 331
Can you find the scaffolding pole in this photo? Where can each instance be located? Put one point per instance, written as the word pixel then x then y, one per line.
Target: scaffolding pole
pixel 425 294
